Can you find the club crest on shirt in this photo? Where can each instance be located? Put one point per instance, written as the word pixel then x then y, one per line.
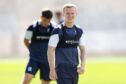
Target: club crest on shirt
pixel 29 68
pixel 48 30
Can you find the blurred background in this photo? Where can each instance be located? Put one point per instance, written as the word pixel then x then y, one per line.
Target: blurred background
pixel 104 22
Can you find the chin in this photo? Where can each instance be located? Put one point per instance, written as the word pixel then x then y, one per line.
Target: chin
pixel 45 26
pixel 70 21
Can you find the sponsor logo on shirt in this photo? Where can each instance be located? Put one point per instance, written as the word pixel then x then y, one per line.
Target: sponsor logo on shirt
pixel 42 37
pixel 71 41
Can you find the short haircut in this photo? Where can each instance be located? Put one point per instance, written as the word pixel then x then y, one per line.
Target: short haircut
pixel 58 12
pixel 47 13
pixel 69 5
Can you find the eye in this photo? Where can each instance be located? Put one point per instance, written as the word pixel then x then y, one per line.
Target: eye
pixel 68 13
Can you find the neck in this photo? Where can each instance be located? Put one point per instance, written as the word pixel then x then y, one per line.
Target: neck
pixel 42 24
pixel 69 24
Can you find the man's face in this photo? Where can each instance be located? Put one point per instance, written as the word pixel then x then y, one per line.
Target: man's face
pixel 45 21
pixel 59 15
pixel 70 14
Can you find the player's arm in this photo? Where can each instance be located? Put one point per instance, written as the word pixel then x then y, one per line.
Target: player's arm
pixel 82 55
pixel 27 38
pixel 51 60
pixel 26 42
pixel 51 55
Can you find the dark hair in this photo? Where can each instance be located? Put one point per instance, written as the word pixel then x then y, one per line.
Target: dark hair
pixel 47 13
pixel 58 13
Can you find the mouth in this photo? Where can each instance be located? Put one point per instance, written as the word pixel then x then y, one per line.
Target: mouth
pixel 70 18
pixel 45 25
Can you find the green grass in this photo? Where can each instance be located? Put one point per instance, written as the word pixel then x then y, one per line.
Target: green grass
pixel 98 71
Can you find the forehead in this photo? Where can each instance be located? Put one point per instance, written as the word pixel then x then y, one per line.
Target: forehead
pixel 45 19
pixel 70 9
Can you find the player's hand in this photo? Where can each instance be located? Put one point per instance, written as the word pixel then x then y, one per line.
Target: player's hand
pixel 53 75
pixel 80 70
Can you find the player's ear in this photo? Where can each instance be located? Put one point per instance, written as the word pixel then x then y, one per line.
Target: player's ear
pixel 63 13
pixel 41 17
pixel 76 13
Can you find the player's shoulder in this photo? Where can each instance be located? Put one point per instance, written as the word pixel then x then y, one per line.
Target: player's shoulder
pixel 33 25
pixel 79 28
pixel 53 24
pixel 30 28
pixel 57 29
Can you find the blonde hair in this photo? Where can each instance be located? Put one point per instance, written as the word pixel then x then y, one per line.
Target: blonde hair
pixel 69 5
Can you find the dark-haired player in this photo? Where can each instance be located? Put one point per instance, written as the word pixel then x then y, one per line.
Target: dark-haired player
pixel 63 46
pixel 36 40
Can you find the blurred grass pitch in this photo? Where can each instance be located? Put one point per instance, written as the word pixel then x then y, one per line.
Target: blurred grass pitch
pixel 98 71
